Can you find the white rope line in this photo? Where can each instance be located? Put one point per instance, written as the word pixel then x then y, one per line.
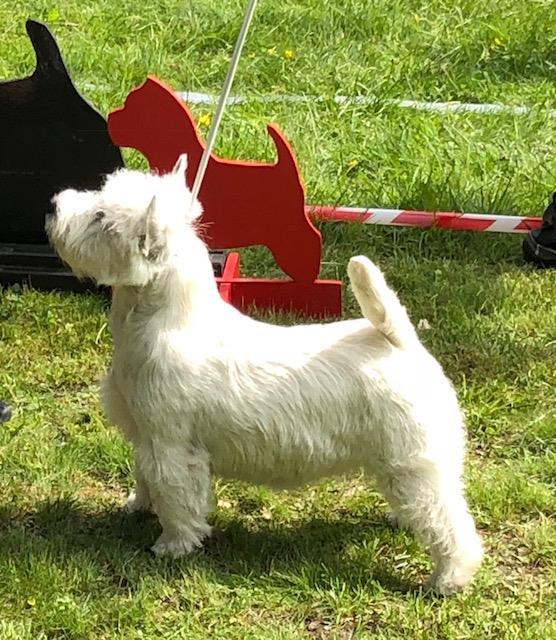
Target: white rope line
pixel 223 100
pixel 194 97
pixel 199 98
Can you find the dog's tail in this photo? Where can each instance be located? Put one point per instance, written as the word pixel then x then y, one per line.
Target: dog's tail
pixel 379 304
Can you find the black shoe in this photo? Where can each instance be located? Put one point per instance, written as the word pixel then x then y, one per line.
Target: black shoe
pixel 539 246
pixel 5 413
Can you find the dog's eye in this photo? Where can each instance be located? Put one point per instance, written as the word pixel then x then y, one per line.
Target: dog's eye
pixel 99 215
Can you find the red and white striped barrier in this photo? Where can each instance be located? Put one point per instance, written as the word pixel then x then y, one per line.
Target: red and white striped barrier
pixel 427 219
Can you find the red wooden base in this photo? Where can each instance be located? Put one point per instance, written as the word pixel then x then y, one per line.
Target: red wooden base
pixel 321 298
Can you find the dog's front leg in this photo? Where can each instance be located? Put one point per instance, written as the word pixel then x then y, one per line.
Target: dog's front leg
pixel 139 499
pixel 117 411
pixel 178 480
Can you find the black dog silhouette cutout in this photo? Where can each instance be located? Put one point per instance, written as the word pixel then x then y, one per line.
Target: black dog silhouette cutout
pixel 539 246
pixel 50 139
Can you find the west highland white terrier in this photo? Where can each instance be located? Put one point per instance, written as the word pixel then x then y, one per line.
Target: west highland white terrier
pixel 197 387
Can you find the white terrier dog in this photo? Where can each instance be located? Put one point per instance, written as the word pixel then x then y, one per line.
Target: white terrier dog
pixel 196 386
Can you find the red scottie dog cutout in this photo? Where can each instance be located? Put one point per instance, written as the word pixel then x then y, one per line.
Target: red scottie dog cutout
pixel 245 203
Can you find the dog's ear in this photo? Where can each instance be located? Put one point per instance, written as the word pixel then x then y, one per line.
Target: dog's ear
pixel 180 166
pixel 150 236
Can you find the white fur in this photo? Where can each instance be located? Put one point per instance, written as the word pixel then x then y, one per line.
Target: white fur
pixel 197 387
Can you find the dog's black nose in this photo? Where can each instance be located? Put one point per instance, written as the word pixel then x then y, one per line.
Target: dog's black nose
pixel 5 413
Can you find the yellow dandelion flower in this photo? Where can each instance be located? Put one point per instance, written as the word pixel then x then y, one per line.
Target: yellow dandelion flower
pixel 353 163
pixel 496 43
pixel 289 54
pixel 205 120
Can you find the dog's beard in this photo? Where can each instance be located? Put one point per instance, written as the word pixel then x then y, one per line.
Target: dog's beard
pixel 87 259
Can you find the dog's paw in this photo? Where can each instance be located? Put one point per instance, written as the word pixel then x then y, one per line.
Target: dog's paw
pixel 443 586
pixel 178 546
pixel 137 503
pixel 456 573
pixel 451 581
pixel 173 548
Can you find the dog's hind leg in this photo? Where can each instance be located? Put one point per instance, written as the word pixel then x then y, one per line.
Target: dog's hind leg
pixel 428 498
pixel 178 479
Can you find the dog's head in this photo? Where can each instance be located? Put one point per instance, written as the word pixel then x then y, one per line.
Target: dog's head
pixel 126 233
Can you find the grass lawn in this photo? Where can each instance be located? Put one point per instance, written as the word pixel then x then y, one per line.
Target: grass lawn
pixel 320 563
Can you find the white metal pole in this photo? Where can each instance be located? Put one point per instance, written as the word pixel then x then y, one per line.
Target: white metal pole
pixel 223 99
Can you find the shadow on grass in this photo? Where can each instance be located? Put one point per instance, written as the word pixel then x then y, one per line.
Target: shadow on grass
pixel 313 553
